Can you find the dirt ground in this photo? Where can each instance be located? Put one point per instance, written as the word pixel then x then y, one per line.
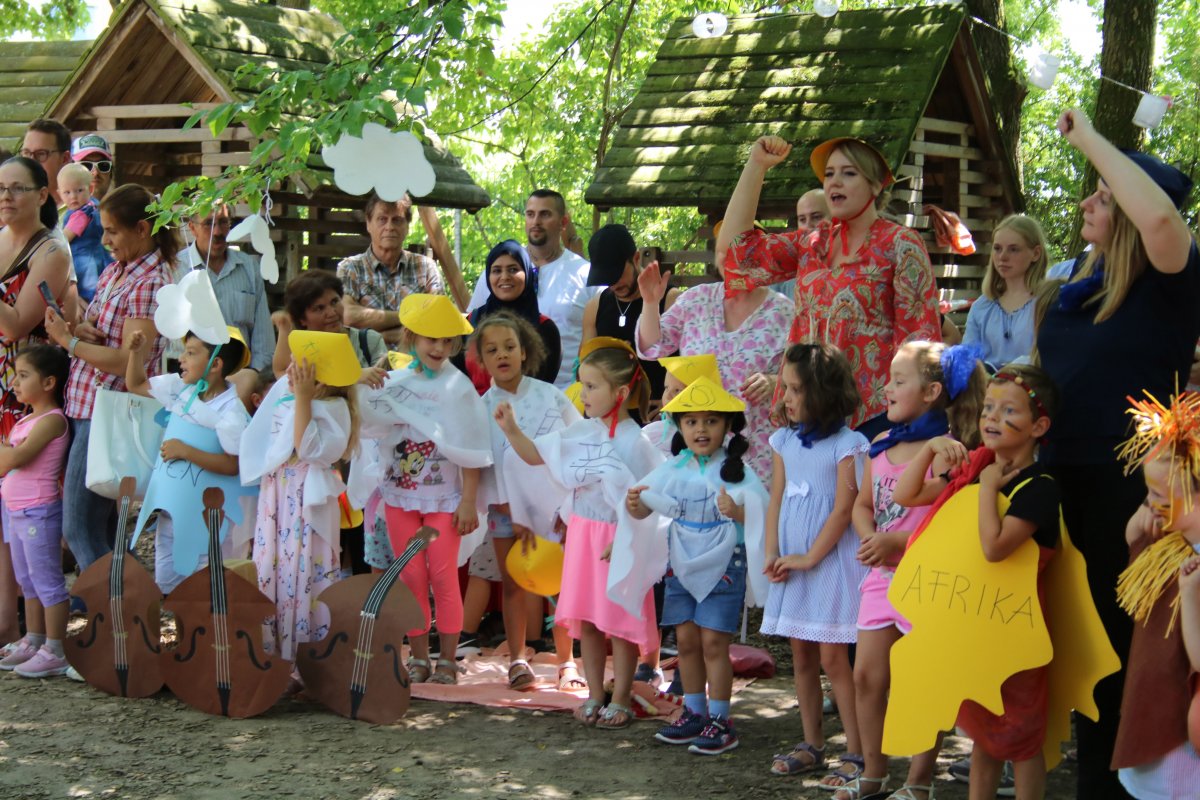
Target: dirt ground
pixel 61 739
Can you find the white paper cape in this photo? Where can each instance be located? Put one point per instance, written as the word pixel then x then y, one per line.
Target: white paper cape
pixel 640 560
pixel 267 444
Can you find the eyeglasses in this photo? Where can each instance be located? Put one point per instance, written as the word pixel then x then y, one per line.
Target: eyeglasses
pixel 16 191
pixel 39 156
pixel 220 222
pixel 97 166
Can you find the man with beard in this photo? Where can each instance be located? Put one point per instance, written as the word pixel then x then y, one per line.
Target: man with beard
pixel 563 291
pixel 616 263
pixel 93 152
pixel 236 280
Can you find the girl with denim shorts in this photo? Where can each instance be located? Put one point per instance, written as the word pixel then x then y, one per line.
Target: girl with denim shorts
pixel 715 507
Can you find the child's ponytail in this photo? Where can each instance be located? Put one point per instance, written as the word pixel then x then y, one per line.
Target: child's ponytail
pixel 734 468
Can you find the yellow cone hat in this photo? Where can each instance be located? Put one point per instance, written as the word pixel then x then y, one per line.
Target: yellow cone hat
pixel 331 353
pixel 433 315
pixel 703 394
pixel 236 333
pixel 686 369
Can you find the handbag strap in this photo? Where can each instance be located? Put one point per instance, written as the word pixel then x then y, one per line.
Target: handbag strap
pixel 34 242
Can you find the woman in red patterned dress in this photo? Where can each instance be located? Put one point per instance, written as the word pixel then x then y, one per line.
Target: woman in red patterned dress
pixel 863 283
pixel 29 254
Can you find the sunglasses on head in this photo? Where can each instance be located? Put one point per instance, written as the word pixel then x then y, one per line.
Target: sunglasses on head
pixel 97 166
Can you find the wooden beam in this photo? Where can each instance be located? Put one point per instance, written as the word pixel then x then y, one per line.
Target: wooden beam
pixel 68 104
pixel 215 82
pixel 175 135
pixel 945 126
pixel 149 111
pixel 445 256
pixel 945 150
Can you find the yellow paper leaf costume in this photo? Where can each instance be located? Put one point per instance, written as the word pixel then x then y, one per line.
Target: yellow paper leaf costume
pixel 976 623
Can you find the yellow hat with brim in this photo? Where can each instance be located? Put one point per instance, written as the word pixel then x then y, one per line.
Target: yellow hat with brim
pixel 236 333
pixel 331 354
pixel 686 369
pixel 538 568
pixel 398 360
pixel 574 393
pixel 433 316
pixel 703 394
pixel 821 153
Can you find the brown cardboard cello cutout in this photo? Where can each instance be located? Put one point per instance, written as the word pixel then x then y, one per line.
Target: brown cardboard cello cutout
pixel 118 651
pixel 220 667
pixel 356 670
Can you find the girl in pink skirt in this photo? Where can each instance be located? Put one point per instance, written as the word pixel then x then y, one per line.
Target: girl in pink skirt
pixel 597 460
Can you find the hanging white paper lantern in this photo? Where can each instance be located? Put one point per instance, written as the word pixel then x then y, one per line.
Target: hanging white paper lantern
pixel 1151 110
pixel 826 8
pixel 1041 67
pixel 706 26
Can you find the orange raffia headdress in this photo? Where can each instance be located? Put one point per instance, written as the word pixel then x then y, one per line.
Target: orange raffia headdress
pixel 1172 432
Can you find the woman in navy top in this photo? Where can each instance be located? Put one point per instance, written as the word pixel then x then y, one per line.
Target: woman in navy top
pixel 1125 323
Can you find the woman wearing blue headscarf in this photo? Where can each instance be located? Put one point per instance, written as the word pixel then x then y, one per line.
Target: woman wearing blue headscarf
pixel 512 286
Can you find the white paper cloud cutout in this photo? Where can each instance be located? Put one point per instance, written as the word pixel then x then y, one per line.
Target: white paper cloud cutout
pixel 255 229
pixel 390 162
pixel 190 305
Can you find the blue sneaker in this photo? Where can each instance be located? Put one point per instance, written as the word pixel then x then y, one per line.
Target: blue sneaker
pixel 718 737
pixel 684 730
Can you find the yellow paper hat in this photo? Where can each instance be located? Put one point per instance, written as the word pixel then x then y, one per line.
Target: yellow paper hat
pixel 236 333
pixel 574 393
pixel 331 353
pixel 703 394
pixel 686 369
pixel 398 360
pixel 433 315
pixel 603 343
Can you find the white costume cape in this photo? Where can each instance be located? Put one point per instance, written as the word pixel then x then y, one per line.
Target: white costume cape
pixel 589 471
pixel 540 408
pixel 445 410
pixel 681 490
pixel 267 445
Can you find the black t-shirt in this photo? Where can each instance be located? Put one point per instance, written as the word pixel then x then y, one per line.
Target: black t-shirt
pixel 1036 502
pixel 1147 344
pixel 608 323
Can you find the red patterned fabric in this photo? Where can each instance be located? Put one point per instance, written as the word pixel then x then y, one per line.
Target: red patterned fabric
pixel 125 291
pixel 11 411
pixel 879 298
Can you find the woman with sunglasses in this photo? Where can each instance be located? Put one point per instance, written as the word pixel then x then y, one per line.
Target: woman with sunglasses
pixel 29 254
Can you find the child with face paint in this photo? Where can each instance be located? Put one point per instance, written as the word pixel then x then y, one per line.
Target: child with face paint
pixel 1017 411
pixel 1161 591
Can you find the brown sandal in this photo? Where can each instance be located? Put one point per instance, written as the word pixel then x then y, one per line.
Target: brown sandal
pixel 520 676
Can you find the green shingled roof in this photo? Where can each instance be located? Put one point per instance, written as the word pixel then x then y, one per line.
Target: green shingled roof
pixel 683 140
pixel 30 74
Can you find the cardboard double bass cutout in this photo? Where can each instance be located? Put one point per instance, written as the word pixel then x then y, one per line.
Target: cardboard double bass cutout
pixel 118 651
pixel 356 670
pixel 220 667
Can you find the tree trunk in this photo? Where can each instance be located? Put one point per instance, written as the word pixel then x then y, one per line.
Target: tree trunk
pixel 1126 55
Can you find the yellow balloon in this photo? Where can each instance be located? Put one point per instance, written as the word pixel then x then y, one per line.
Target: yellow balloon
pixel 539 568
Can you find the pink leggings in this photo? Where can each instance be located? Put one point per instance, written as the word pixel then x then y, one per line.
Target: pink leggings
pixel 436 565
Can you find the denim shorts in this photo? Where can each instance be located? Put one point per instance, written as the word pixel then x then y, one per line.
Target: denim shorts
pixel 500 525
pixel 721 610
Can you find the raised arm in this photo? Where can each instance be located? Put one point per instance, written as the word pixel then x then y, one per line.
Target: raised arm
pixel 743 205
pixel 1164 233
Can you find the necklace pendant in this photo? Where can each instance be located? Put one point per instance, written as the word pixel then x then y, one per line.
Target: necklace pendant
pixel 621 321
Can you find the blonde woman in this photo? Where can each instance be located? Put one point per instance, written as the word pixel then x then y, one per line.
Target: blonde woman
pixel 1125 323
pixel 1001 321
